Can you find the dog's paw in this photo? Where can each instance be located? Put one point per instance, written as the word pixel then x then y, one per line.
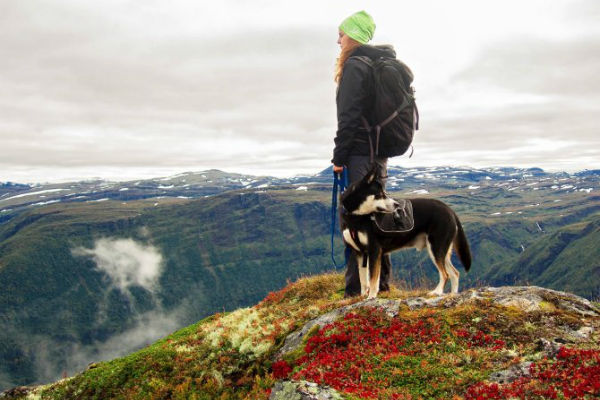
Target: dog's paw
pixel 436 293
pixel 373 294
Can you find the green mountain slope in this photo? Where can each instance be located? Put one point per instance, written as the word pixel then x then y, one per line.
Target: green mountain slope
pixel 53 301
pixel 564 260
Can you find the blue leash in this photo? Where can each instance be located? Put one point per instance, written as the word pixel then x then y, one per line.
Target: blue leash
pixel 339 181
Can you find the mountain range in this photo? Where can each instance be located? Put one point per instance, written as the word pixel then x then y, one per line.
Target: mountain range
pixel 15 196
pixel 92 270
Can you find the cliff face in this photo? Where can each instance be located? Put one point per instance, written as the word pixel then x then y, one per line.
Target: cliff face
pixel 307 342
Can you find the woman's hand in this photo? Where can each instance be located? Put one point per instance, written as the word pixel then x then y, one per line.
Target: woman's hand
pixel 337 169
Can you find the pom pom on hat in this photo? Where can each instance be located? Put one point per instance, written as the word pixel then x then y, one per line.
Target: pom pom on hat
pixel 359 26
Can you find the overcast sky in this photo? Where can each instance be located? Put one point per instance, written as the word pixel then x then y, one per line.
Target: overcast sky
pixel 146 88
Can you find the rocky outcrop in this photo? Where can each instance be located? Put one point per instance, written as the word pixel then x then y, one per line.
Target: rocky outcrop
pixel 523 299
pixel 526 298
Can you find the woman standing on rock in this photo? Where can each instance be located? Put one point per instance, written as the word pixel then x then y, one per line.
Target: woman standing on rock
pixel 354 100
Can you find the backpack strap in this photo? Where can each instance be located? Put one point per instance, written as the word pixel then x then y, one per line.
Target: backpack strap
pixel 365 59
pixel 416 117
pixel 373 151
pixel 369 128
pixel 380 126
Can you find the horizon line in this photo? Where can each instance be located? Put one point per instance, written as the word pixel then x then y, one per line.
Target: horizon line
pixel 85 178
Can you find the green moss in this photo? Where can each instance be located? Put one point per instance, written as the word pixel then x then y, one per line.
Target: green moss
pixel 547 306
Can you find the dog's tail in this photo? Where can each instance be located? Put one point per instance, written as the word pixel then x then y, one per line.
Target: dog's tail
pixel 461 246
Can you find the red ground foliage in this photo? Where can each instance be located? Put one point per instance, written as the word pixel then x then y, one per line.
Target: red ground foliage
pixel 369 355
pixel 575 374
pixel 346 352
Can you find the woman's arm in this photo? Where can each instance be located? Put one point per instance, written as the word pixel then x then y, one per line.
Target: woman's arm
pixel 351 96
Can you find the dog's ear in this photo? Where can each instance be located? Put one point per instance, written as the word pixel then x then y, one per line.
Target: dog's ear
pixel 370 177
pixel 372 174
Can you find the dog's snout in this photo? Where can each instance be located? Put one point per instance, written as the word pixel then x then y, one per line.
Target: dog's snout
pixel 396 204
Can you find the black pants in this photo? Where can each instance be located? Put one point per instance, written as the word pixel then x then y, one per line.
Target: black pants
pixel 358 166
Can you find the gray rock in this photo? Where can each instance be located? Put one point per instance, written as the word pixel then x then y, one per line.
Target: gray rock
pixel 420 302
pixel 294 340
pixel 549 347
pixel 513 373
pixel 585 332
pixel 561 300
pixel 302 390
pixel 16 392
pixel 528 298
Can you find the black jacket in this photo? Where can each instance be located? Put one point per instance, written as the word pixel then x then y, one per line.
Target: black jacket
pixel 355 99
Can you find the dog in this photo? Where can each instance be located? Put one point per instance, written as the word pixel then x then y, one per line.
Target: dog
pixel 436 227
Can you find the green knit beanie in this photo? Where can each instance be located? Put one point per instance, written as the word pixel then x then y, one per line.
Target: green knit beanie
pixel 359 26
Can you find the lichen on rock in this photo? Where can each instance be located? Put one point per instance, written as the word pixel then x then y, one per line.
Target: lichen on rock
pixel 302 390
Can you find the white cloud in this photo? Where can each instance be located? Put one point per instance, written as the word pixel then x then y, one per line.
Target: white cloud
pixel 126 262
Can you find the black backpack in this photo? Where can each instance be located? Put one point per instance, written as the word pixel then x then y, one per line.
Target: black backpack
pixel 395 112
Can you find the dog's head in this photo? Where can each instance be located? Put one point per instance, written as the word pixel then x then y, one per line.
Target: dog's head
pixel 368 196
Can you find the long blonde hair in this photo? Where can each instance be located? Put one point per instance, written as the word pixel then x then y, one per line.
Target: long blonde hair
pixel 344 55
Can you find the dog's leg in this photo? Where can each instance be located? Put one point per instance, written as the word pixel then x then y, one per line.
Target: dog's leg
pixel 452 272
pixel 363 273
pixel 375 272
pixel 440 264
pixel 439 289
pixel 454 276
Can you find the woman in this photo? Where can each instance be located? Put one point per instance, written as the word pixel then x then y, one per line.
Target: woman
pixel 354 101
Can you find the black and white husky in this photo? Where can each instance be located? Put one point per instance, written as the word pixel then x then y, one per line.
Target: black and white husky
pixel 436 227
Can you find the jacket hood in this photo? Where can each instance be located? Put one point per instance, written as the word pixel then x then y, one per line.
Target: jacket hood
pixel 374 52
